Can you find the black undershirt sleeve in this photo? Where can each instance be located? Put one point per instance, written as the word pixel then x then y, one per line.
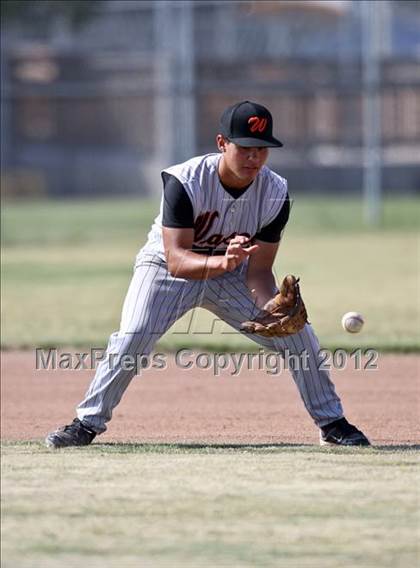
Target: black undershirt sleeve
pixel 271 233
pixel 177 207
pixel 178 211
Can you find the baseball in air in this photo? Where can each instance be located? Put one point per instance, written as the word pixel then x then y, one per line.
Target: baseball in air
pixel 352 322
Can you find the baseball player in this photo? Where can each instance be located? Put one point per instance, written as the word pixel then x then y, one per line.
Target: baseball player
pixel 213 245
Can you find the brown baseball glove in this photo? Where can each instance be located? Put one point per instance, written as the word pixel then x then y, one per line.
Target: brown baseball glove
pixel 285 314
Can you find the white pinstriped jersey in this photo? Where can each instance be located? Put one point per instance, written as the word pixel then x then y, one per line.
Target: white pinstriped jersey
pixel 156 300
pixel 218 216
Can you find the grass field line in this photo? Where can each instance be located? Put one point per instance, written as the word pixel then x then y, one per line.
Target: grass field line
pixel 25 447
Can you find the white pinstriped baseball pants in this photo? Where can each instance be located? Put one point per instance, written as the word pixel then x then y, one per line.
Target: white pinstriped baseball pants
pixel 155 300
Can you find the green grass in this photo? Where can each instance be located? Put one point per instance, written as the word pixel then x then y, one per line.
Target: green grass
pixel 209 505
pixel 67 266
pixel 66 223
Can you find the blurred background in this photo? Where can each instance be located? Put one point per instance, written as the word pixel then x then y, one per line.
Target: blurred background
pixel 98 96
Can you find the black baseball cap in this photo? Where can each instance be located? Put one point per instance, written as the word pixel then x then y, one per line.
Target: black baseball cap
pixel 249 124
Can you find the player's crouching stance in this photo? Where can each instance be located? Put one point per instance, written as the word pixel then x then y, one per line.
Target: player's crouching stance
pixel 213 245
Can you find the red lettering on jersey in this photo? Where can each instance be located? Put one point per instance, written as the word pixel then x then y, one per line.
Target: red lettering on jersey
pixel 217 239
pixel 202 227
pixel 204 223
pixel 257 124
pixel 214 240
pixel 226 240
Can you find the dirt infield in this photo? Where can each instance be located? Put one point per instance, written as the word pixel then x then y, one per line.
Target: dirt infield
pixel 195 406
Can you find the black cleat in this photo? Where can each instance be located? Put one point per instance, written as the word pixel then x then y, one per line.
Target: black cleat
pixel 74 434
pixel 341 433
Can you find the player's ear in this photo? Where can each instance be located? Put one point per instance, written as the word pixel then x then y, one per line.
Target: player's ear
pixel 221 142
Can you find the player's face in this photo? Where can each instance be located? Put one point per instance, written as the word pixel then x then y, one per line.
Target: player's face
pixel 239 166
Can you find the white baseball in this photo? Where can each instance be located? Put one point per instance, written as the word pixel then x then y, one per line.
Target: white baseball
pixel 352 322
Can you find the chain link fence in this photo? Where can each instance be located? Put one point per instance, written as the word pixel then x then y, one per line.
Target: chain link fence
pixel 98 110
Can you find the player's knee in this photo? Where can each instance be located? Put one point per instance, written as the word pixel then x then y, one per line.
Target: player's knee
pixel 141 333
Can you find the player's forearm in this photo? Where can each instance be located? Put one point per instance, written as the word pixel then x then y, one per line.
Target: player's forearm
pixel 187 264
pixel 263 286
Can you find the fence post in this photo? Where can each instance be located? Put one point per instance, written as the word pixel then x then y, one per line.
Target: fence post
pixel 174 72
pixel 372 184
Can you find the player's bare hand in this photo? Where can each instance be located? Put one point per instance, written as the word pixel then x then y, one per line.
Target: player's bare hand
pixel 237 251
